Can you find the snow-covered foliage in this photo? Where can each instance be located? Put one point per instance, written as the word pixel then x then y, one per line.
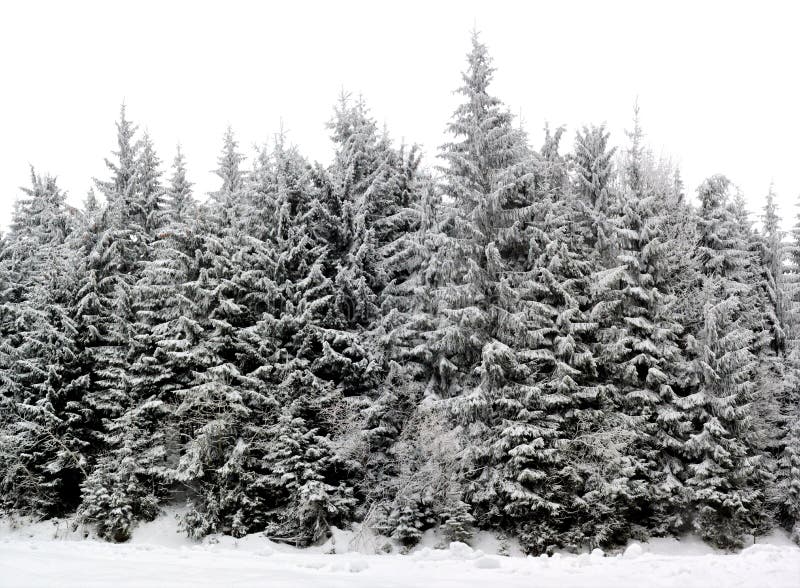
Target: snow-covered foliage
pixel 557 346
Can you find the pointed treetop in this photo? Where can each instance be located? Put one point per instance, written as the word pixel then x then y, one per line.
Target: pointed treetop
pixel 485 140
pixel 126 131
pixel 229 170
pixel 43 186
pixel 124 166
pixel 179 193
pixel 677 183
pixel 594 161
pixel 350 118
pixel 480 71
pixel 770 217
pixel 90 203
pixel 42 205
pixel 149 164
pixel 634 166
pixel 179 167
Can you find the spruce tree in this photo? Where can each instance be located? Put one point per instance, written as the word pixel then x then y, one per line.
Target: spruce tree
pixel 639 349
pixel 399 459
pixel 134 476
pixel 214 407
pixel 41 458
pixel 725 485
pixel 293 357
pixel 115 247
pixel 570 242
pixel 787 486
pixel 481 364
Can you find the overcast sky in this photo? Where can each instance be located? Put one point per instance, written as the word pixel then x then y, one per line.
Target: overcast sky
pixel 717 83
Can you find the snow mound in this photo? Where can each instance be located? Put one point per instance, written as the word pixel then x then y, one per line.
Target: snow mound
pixel 686 545
pixel 633 551
pixel 489 542
pixel 582 560
pixel 456 551
pixel 164 530
pixel 429 554
pixel 58 529
pixel 358 565
pixel 459 550
pixel 765 552
pixel 487 563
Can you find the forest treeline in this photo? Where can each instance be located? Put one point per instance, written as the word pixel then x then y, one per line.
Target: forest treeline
pixel 558 344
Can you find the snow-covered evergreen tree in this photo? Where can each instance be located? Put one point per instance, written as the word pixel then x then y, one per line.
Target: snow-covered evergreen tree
pixel 291 354
pixel 638 349
pixel 725 476
pixel 215 407
pixel 135 474
pixel 558 347
pixel 41 459
pixel 480 350
pixel 116 246
pixel 786 491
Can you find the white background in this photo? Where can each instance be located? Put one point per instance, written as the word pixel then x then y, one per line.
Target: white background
pixel 717 82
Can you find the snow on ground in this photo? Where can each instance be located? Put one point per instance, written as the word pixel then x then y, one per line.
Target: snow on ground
pixel 51 555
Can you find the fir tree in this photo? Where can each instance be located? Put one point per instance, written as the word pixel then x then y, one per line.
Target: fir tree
pixel 724 475
pixel 559 347
pixel 787 487
pixel 638 349
pixel 42 460
pixel 135 475
pixel 479 362
pixel 457 525
pixel 115 247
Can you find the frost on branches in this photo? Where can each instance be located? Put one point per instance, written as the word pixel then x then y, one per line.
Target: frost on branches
pixel 554 343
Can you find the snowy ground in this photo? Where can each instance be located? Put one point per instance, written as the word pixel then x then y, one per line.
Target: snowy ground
pixel 48 555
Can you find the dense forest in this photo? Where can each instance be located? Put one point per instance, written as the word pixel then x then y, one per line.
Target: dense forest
pixel 565 348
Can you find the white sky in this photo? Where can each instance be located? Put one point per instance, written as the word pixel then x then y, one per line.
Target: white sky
pixel 717 81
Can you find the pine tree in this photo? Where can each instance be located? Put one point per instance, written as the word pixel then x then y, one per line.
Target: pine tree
pixel 400 463
pixel 127 484
pixel 593 170
pixel 770 328
pixel 479 355
pixel 300 461
pixel 639 349
pixel 561 434
pixel 214 406
pixel 787 487
pixel 41 459
pixel 457 525
pixel 291 354
pixel 169 265
pixel 376 184
pixel 114 252
pixel 372 180
pixel 405 522
pixel 772 255
pixel 786 490
pixel 724 493
pixel 726 489
pixel 115 247
pixel 135 474
pixel 228 197
pixel 149 184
